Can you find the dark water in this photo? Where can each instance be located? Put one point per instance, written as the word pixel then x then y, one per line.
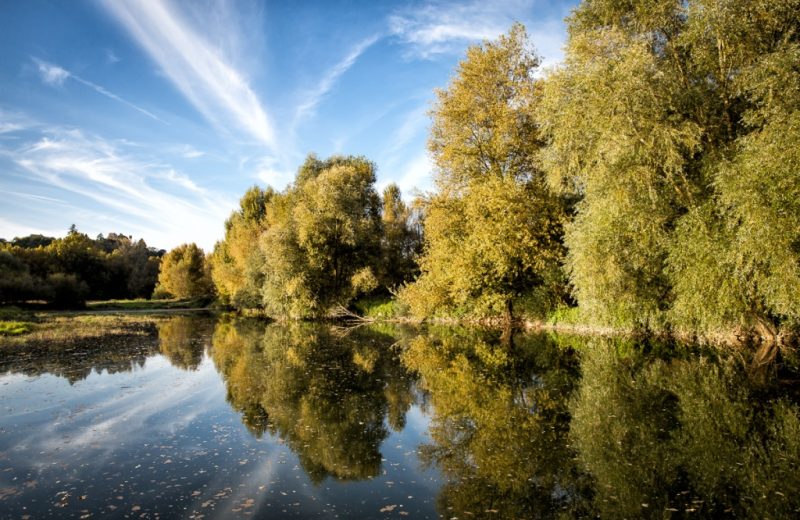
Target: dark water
pixel 218 418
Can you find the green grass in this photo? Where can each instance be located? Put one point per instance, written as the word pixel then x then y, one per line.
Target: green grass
pixel 565 316
pixel 15 328
pixel 12 313
pixel 378 307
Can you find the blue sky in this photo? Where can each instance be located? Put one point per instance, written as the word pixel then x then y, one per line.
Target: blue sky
pixel 152 117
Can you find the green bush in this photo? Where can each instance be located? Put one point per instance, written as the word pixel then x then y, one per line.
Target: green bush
pixel 14 328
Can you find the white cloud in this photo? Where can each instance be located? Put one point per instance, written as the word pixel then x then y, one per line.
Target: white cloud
pixel 111 56
pixel 414 124
pixel 313 97
pixel 55 75
pixel 415 176
pixel 10 229
pixel 190 152
pixel 268 171
pixel 52 74
pixel 447 27
pixel 145 197
pixel 197 68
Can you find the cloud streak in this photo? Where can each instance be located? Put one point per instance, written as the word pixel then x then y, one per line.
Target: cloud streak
pixel 54 75
pixel 438 28
pixel 196 68
pixel 314 97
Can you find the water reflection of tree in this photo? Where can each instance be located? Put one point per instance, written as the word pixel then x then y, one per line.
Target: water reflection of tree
pixel 661 435
pixel 325 395
pixel 183 339
pixel 500 419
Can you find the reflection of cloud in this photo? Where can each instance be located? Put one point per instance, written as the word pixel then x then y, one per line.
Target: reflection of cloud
pixel 140 411
pixel 198 69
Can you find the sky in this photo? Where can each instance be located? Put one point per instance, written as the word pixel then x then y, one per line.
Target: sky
pixel 152 117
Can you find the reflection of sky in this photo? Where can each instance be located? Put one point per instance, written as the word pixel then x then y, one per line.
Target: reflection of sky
pixel 165 440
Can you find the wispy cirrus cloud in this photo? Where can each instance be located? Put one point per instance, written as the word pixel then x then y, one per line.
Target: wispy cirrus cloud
pixel 51 74
pixel 445 27
pixel 145 196
pixel 55 75
pixel 197 68
pixel 313 97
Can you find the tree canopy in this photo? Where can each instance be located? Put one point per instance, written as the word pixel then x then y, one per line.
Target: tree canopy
pixel 493 227
pixel 317 245
pixel 676 124
pixel 184 273
pixel 67 271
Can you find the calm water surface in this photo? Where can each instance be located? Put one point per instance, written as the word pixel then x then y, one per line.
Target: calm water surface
pixel 217 418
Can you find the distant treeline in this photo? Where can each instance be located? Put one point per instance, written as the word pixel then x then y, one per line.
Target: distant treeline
pixel 67 271
pixel 653 178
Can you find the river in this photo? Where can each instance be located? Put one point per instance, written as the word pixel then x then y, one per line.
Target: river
pixel 218 417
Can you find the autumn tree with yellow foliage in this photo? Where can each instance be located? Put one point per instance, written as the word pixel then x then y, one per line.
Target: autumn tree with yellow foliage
pixel 492 227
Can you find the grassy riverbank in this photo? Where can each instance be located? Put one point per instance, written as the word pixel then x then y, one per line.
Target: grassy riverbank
pixel 103 319
pixel 62 330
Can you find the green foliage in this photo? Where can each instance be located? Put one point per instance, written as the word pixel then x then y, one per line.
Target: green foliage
pixel 677 125
pixel 15 328
pixel 379 307
pixel 106 267
pixel 67 290
pixel 401 242
pixel 236 263
pixel 184 273
pixel 323 242
pixel 493 228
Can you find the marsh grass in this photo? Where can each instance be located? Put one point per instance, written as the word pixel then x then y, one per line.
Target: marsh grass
pixel 142 304
pixel 14 328
pixel 54 331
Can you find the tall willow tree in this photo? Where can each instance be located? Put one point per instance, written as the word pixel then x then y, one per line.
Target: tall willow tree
pixel 236 264
pixel 323 243
pixel 677 124
pixel 492 229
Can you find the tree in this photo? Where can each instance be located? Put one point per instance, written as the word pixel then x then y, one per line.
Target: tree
pixel 493 228
pixel 184 273
pixel 322 244
pixel 237 263
pixel 402 240
pixel 16 283
pixel 665 120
